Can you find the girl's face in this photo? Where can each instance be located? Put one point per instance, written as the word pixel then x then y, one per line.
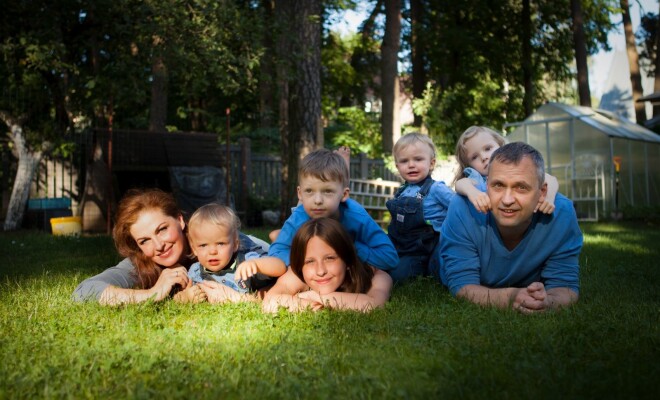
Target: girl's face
pixel 415 162
pixel 478 150
pixel 214 245
pixel 160 237
pixel 323 270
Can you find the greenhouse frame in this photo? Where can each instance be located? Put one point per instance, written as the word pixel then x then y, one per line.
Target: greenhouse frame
pixel 603 162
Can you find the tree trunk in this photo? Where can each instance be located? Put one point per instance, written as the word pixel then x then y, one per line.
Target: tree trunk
pixel 284 33
pixel 633 62
pixel 267 71
pixel 305 100
pixel 418 54
pixel 656 83
pixel 158 114
pixel 580 54
pixel 389 74
pixel 27 164
pixel 527 67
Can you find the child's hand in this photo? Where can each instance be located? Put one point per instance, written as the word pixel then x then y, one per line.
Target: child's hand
pixel 219 293
pixel 480 200
pixel 246 270
pixel 193 294
pixel 312 299
pixel 545 206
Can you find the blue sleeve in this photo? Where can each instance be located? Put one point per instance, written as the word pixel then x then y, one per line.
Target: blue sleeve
pixel 474 175
pixel 562 268
pixel 436 204
pixel 281 248
pixel 249 247
pixel 373 245
pixel 121 275
pixel 459 254
pixel 195 273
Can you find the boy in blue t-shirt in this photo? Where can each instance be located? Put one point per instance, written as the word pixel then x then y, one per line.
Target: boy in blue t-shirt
pixel 323 191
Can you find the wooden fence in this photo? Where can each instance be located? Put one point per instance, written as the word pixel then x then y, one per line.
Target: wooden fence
pixel 253 176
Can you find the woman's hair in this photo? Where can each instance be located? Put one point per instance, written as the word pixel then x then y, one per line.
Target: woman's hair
pixel 358 275
pixel 412 138
pixel 461 152
pixel 130 207
pixel 216 214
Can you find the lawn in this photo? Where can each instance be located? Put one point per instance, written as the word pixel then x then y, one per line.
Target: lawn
pixel 423 344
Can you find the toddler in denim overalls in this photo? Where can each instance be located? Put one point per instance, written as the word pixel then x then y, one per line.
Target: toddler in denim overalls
pixel 418 208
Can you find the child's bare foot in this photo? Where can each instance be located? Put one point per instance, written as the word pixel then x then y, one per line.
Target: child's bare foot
pixel 345 153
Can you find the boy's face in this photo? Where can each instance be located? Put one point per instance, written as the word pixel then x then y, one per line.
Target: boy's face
pixel 321 199
pixel 415 162
pixel 213 245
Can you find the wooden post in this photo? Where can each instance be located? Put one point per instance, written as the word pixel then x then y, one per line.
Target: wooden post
pixel 228 163
pixel 109 205
pixel 364 166
pixel 246 172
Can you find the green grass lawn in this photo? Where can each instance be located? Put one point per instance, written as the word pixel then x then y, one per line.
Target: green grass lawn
pixel 423 344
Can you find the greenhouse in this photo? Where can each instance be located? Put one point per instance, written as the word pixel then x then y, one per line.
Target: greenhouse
pixel 603 162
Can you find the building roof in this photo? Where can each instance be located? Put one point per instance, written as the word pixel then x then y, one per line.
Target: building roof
pixel 607 122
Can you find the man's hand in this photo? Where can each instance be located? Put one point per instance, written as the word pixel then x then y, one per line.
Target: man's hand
pixel 535 298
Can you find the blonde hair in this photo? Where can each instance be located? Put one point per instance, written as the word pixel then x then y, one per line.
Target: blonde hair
pixel 461 151
pixel 325 165
pixel 216 214
pixel 410 139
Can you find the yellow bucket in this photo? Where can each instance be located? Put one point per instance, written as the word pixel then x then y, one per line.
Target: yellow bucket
pixel 66 225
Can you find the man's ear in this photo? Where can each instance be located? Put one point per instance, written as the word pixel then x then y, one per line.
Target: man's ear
pixel 344 196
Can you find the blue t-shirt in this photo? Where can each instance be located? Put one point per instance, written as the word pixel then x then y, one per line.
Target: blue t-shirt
pixel 472 251
pixel 371 242
pixel 436 202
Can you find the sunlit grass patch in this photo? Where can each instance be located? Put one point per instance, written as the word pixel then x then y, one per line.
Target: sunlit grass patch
pixel 423 344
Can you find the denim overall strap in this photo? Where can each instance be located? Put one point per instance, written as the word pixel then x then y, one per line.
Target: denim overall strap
pixel 408 230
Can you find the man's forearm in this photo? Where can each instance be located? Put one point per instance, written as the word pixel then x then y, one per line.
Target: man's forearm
pixel 501 298
pixel 560 297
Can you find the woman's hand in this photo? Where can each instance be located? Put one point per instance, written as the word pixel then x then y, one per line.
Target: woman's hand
pixel 168 279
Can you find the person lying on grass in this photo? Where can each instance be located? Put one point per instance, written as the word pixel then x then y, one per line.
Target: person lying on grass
pixel 149 232
pixel 512 257
pixel 226 270
pixel 325 272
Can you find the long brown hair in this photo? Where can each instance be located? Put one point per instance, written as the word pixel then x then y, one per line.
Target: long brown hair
pixel 130 207
pixel 358 275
